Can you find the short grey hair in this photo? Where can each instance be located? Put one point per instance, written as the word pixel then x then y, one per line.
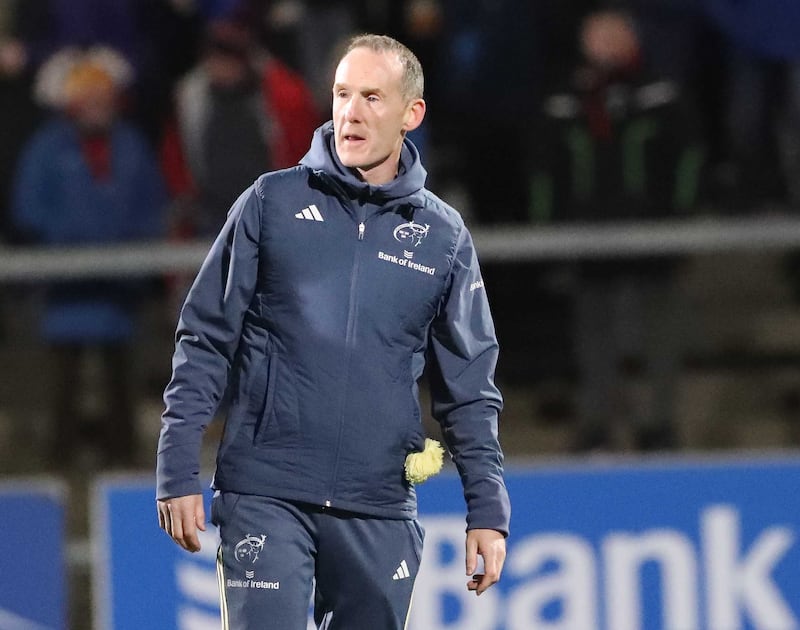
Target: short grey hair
pixel 413 81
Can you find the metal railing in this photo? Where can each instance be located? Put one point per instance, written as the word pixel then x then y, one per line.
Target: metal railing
pixel 496 244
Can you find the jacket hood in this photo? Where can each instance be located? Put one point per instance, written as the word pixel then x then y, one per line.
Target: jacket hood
pixel 408 183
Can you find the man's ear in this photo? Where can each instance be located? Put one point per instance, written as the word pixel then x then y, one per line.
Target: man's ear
pixel 415 112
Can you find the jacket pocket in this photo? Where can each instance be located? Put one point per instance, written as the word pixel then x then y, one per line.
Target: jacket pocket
pixel 275 404
pixel 262 397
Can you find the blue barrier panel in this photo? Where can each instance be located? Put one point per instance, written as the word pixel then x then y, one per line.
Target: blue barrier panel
pixel 677 545
pixel 671 544
pixel 32 556
pixel 142 578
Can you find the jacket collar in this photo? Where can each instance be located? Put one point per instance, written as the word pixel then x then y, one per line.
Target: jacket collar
pixel 406 188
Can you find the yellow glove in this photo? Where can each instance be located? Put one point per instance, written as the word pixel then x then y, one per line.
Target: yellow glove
pixel 421 465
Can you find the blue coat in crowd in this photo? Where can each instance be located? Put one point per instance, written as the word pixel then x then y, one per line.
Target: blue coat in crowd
pixel 58 201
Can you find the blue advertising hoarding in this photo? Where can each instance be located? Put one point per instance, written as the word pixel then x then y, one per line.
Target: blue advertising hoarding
pixel 141 578
pixel 627 545
pixel 32 593
pixel 677 545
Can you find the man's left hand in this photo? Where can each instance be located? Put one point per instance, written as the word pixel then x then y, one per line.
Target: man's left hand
pixel 491 545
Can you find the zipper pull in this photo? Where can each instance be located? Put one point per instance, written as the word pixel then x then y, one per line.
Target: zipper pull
pixel 361 228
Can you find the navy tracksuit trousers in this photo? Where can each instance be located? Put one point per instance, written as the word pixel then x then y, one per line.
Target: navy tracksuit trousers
pixel 274 552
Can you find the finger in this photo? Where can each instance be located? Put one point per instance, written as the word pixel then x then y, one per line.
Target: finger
pixel 472 555
pixel 200 518
pixel 183 530
pixel 167 516
pixel 484 583
pixel 162 519
pixel 475 582
pixel 491 567
pixel 175 525
pixel 478 583
pixel 189 538
pixel 190 516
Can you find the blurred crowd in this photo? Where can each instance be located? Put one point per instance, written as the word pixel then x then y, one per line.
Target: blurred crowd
pixel 712 84
pixel 142 119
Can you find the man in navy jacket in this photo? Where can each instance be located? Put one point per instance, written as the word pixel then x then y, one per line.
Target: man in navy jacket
pixel 317 307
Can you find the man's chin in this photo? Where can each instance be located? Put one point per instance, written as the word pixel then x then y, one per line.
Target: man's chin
pixel 355 164
pixel 349 160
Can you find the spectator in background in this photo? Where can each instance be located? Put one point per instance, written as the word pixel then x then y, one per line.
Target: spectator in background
pixel 158 38
pixel 619 141
pixel 169 37
pixel 87 177
pixel 19 113
pixel 238 113
pixel 19 118
pixel 308 33
pixel 762 116
pixel 482 86
pixel 762 108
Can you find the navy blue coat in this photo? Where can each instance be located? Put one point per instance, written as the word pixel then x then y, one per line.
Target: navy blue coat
pixel 317 306
pixel 58 201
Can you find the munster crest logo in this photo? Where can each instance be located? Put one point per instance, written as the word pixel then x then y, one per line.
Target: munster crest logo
pixel 411 233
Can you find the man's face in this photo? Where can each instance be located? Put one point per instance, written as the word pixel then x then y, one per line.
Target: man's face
pixel 371 114
pixel 609 40
pixel 226 71
pixel 96 108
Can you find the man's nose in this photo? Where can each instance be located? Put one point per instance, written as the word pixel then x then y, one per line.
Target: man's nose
pixel 353 109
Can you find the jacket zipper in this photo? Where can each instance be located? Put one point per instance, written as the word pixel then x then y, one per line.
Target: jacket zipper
pixel 349 342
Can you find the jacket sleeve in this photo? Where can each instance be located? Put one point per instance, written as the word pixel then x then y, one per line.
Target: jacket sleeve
pixel 32 191
pixel 207 338
pixel 465 400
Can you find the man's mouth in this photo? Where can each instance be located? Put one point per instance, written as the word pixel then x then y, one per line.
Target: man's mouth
pixel 351 137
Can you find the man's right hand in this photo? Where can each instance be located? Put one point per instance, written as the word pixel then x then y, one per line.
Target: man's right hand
pixel 181 517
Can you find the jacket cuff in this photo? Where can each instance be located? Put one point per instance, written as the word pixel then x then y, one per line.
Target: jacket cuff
pixel 173 477
pixel 492 513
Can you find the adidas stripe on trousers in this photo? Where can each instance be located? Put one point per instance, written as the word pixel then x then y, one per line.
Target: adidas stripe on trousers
pixel 273 553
